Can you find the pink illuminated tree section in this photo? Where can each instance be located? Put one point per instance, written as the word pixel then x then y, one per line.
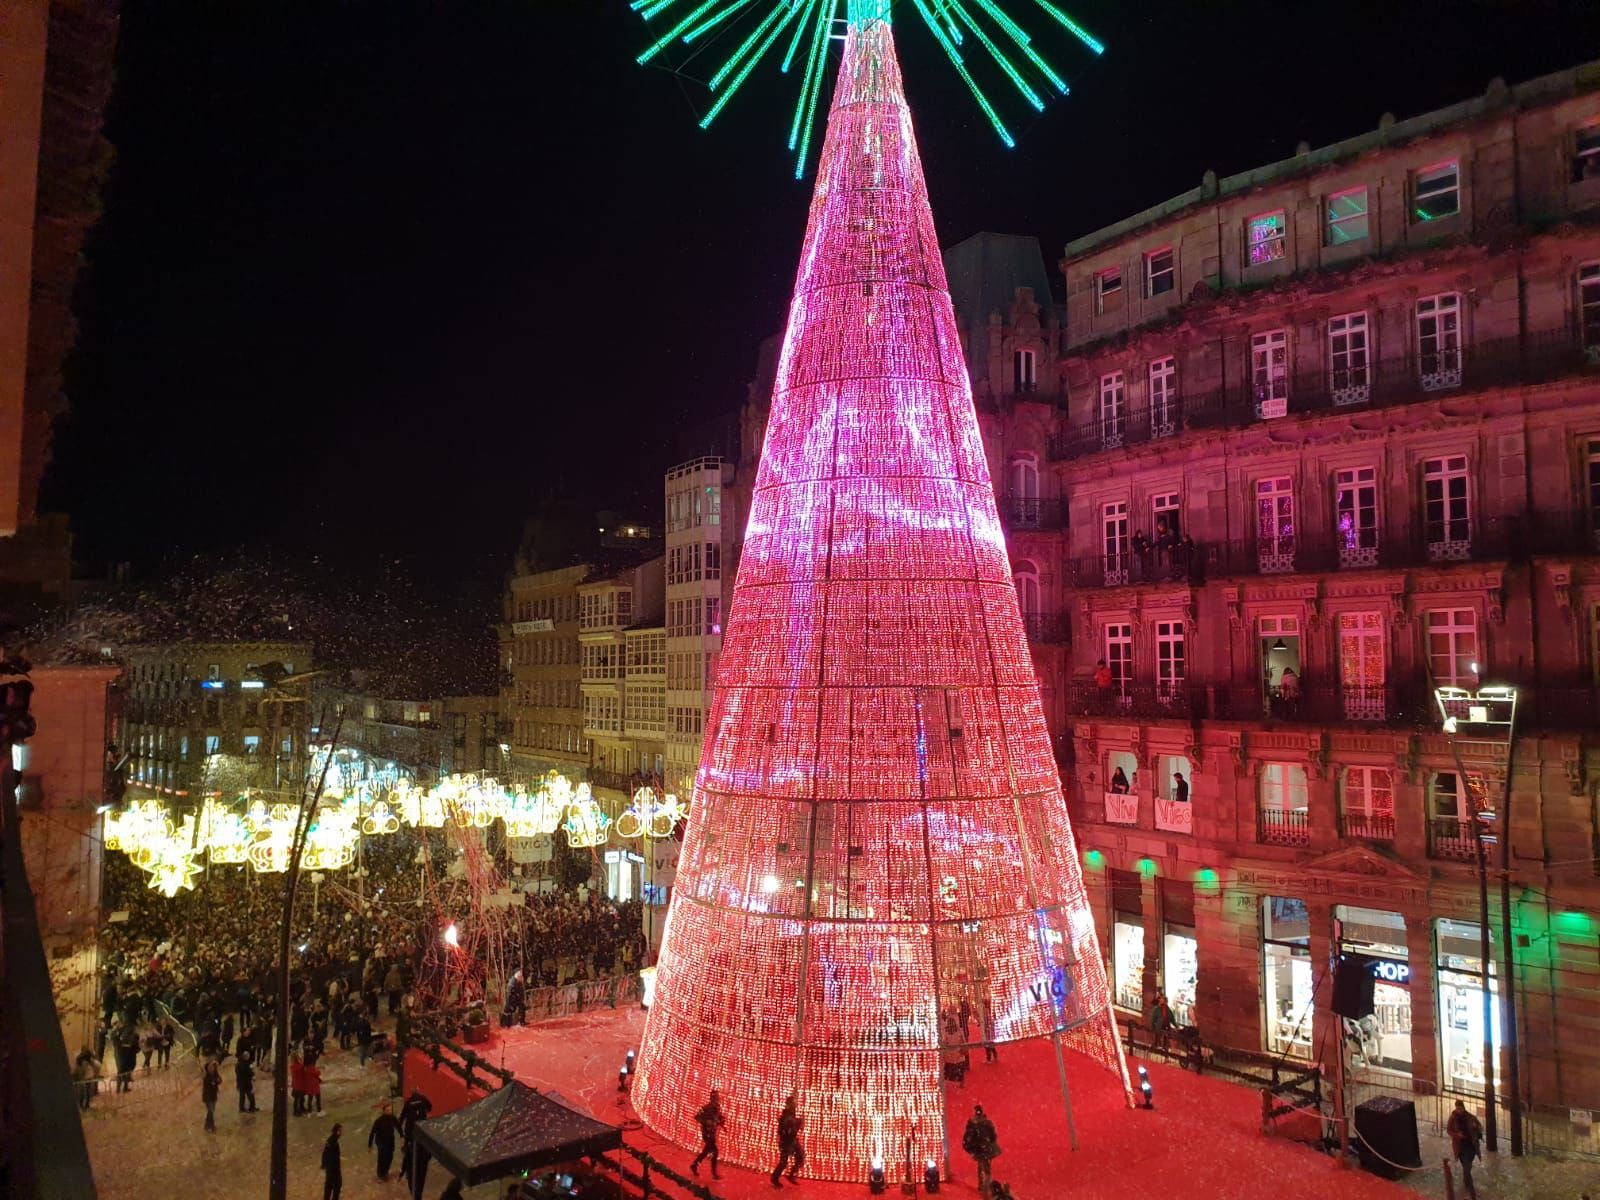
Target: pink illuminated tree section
pixel 878 832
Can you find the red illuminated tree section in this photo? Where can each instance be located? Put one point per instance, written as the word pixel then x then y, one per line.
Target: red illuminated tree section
pixel 878 832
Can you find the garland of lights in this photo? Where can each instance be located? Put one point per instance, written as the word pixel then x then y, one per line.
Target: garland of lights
pixel 261 834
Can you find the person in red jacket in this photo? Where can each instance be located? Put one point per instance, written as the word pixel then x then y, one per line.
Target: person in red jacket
pixel 313 1086
pixel 297 1083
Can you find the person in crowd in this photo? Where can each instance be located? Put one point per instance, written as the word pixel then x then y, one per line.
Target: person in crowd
pixel 413 1110
pixel 297 1083
pixel 210 1089
pixel 393 985
pixel 954 1053
pixel 244 1078
pixel 86 1077
pixel 1466 1133
pixel 711 1119
pixel 332 1169
pixel 1162 1022
pixel 982 1142
pixel 125 1039
pixel 791 1153
pixel 312 1075
pixel 382 1135
pixel 167 1034
pixel 363 1035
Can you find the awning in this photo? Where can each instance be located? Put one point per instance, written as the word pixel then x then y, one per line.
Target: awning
pixel 512 1130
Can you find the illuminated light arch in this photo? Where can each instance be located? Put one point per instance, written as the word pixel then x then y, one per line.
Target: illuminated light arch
pixel 878 831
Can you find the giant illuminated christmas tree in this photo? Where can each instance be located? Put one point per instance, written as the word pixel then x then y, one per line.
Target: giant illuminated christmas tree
pixel 878 836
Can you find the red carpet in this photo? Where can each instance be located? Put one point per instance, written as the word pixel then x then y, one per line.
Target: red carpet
pixel 1203 1138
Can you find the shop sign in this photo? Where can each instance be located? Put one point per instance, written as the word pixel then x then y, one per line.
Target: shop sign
pixel 1391 971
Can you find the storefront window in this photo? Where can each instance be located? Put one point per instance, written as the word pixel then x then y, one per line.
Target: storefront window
pixel 1286 974
pixel 1180 965
pixel 1460 972
pixel 1382 1039
pixel 1127 939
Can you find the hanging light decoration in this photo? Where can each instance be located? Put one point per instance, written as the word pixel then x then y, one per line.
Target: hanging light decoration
pixel 651 815
pixel 587 824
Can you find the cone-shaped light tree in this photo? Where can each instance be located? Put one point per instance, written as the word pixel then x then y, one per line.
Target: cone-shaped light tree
pixel 878 840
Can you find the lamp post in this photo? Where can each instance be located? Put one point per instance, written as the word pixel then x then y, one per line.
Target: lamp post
pixel 1492 711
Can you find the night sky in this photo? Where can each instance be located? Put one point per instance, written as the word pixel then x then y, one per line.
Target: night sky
pixel 378 280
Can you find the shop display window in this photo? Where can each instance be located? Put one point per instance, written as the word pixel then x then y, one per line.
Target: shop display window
pixel 1286 975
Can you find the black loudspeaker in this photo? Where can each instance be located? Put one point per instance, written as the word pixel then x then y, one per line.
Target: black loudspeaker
pixel 1353 981
pixel 1387 1129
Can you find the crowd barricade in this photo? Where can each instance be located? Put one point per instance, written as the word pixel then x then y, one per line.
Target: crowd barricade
pixel 581 995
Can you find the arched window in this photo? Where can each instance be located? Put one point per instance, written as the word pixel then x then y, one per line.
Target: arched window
pixel 1024 376
pixel 1027 579
pixel 1025 476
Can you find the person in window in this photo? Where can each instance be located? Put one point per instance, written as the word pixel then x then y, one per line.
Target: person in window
pixel 1103 682
pixel 1166 547
pixel 1119 782
pixel 1289 687
pixel 1142 555
pixel 1180 788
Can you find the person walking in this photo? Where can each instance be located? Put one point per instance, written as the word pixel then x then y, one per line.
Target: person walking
pixel 710 1119
pixel 210 1089
pixel 167 1035
pixel 382 1135
pixel 244 1078
pixel 1466 1133
pixel 413 1110
pixel 1162 1022
pixel 86 1076
pixel 297 1083
pixel 363 1032
pixel 332 1171
pixel 791 1153
pixel 981 1141
pixel 312 1074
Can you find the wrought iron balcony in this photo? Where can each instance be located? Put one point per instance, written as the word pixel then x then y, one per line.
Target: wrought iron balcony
pixel 1285 826
pixel 1020 514
pixel 1452 838
pixel 1378 384
pixel 1047 628
pixel 1372 827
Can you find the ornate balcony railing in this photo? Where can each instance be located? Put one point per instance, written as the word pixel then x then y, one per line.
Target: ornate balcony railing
pixel 1030 514
pixel 1379 384
pixel 1452 838
pixel 1047 628
pixel 1372 827
pixel 1285 826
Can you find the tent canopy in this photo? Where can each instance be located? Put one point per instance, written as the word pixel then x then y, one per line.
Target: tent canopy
pixel 512 1130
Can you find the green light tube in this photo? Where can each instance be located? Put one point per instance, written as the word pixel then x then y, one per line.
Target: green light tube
pixel 675 30
pixel 784 10
pixel 966 75
pixel 1020 36
pixel 1083 35
pixel 999 57
pixel 794 44
pixel 715 19
pixel 818 23
pixel 779 18
pixel 824 23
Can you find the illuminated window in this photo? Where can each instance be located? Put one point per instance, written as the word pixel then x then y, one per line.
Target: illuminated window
pixel 1346 217
pixel 1163 381
pixel 1347 358
pixel 1439 340
pixel 1114 541
pixel 1108 291
pixel 1355 502
pixel 1363 655
pixel 1166 519
pixel 1264 237
pixel 213 744
pixel 1453 647
pixel 1160 272
pixel 1367 803
pixel 1169 658
pixel 1446 507
pixel 1113 395
pixel 1023 376
pixel 1586 153
pixel 1436 192
pixel 1024 498
pixel 1589 304
pixel 1269 372
pixel 1284 809
pixel 1275 524
pixel 1592 483
pixel 1027 580
pixel 1119 655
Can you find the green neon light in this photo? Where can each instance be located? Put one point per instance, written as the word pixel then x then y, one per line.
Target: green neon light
pixel 794 43
pixel 822 18
pixel 999 57
pixel 694 16
pixel 1024 42
pixel 966 76
pixel 750 65
pixel 819 49
pixel 1206 878
pixel 942 7
pixel 738 56
pixel 715 20
pixel 1573 923
pixel 1082 34
pixel 1147 867
pixel 1094 858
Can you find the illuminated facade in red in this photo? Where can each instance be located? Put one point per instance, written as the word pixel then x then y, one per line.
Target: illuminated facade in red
pixel 878 836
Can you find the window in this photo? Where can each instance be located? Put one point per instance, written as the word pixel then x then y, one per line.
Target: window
pixel 252 743
pixel 1460 973
pixel 1023 376
pixel 1368 803
pixel 1286 974
pixel 1453 647
pixel 1592 478
pixel 1355 505
pixel 1027 580
pixel 1163 397
pixel 714 616
pixel 713 561
pixel 1269 372
pixel 1347 358
pixel 1025 491
pixel 1119 656
pixel 1589 306
pixel 214 671
pixel 1283 805
pixel 1275 524
pixel 213 744
pixel 1169 658
pixel 1439 340
pixel 1346 217
pixel 1362 653
pixel 1166 518
pixel 1113 394
pixel 1586 154
pixel 1446 508
pixel 1114 541
pixel 1450 832
pixel 1108 291
pixel 1264 236
pixel 1436 192
pixel 1160 272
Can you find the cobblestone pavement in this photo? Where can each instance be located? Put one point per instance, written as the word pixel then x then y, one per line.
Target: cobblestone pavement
pixel 1501 1177
pixel 150 1144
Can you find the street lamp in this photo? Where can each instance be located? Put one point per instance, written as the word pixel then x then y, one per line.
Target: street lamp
pixel 1489 714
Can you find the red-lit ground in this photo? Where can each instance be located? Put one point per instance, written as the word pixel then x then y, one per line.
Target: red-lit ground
pixel 1203 1138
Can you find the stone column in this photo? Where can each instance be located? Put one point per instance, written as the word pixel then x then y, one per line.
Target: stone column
pixel 1326 1030
pixel 1424 1003
pixel 1322 798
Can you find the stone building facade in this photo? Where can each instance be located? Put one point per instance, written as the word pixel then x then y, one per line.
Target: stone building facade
pixel 1306 444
